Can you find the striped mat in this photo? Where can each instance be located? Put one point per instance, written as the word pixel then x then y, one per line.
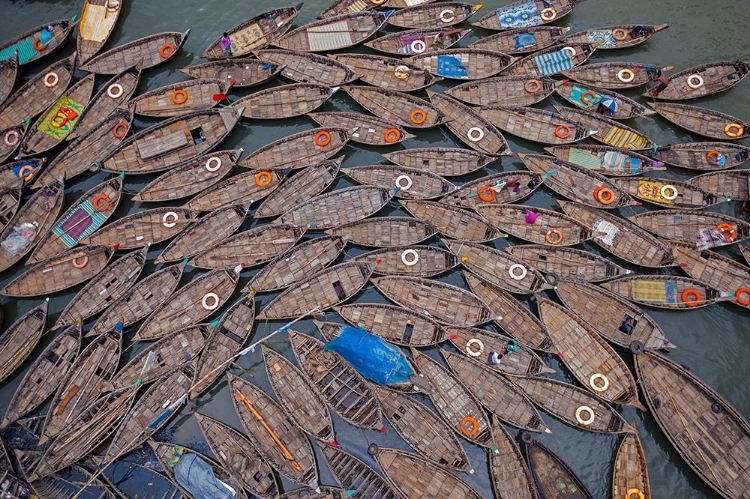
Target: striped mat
pixel 585 159
pixel 329 37
pixel 653 291
pixel 79 224
pixel 358 6
pixel 619 137
pixel 549 64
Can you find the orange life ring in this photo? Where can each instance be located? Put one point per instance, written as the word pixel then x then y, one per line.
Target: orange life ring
pixel 584 99
pixel 179 97
pixel 562 131
pixel 691 297
pixel 98 199
pixel 619 34
pixel 322 138
pixel 262 179
pixel 728 232
pixel 392 135
pixel 78 256
pixel 474 426
pixel 734 130
pixel 604 195
pixel 712 157
pixel 26 173
pixel 38 45
pixel 120 126
pixel 532 86
pixel 740 292
pixel 487 194
pixel 418 116
pixel 552 232
pixel 166 51
pixel 637 492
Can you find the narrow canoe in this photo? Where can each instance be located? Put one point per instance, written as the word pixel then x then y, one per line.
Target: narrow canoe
pixel 323 290
pixel 255 33
pixel 694 226
pixel 245 73
pixel 298 150
pixel 702 80
pixel 181 97
pixel 452 221
pixel 385 232
pixel 422 261
pixel 707 156
pixel 304 67
pixel 443 161
pixel 704 122
pixel 253 247
pixel 10 200
pixel 445 303
pixel 669 193
pixel 263 419
pixel 630 471
pixel 622 238
pixel 548 227
pixel 97 23
pixel 601 101
pixel 104 289
pixel 504 187
pixel 412 183
pixel 666 291
pixel 552 60
pixel 732 184
pixel 143 228
pixel 388 73
pixel 341 7
pixel 589 358
pixel 495 392
pixel 363 128
pixel 397 107
pixel 522 14
pixel 417 41
pixel 606 160
pixel 572 405
pixel 395 324
pixel 610 75
pixel 20 173
pixel 26 43
pixel 504 91
pixel 536 125
pixel 190 177
pixel 238 456
pixel 615 37
pixel 569 263
pixel 609 132
pixel 172 141
pixel 243 189
pixel 285 101
pixel 440 15
pixel 353 474
pixel 12 137
pixel 521 40
pixel 463 63
pixel 224 341
pixel 707 432
pixel 18 341
pixel 551 474
pixel 510 475
pixel 333 33
pixel 145 52
pixel 9 74
pixel 189 305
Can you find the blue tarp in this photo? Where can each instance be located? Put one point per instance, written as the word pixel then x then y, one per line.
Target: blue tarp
pixel 197 477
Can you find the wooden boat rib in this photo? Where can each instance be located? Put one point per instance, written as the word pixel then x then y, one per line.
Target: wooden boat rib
pixel 385 232
pixel 192 303
pixel 522 14
pixel 439 15
pixel 285 101
pixel 609 132
pixel 417 41
pixel 255 33
pixel 300 187
pixel 387 72
pixel 521 40
pixel 545 62
pixel 463 63
pixel 702 80
pixel 140 300
pixel 707 156
pixel 549 227
pixel 363 128
pixel 97 23
pixel 273 434
pixel 427 260
pixel 343 388
pixel 732 184
pixel 653 190
pixel 588 357
pixel 297 263
pixel 615 37
pixel 707 432
pixel 510 475
pixel 551 474
pixel 504 187
pixel 333 33
pixel 397 107
pixel 691 292
pixel 56 34
pixel 143 228
pixel 244 73
pixel 704 122
pixel 443 161
pixel 9 73
pixel 569 263
pixel 67 482
pixel 612 75
pixel 597 100
pixel 10 200
pixel 304 67
pixel 691 226
pixel 299 150
pixel 238 456
pixel 537 125
pixel 145 52
pixel 320 291
pixel 14 135
pixel 243 189
pixel 181 97
pixel 353 474
pixel 452 221
pixel 630 470
pixel 607 160
pixel 621 237
pixel 412 183
pixel 12 176
pixel 18 341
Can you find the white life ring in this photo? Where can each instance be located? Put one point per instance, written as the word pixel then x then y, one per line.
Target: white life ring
pixel 408 182
pixel 472 136
pixel 697 79
pixel 211 161
pixel 570 50
pixel 596 387
pixel 170 215
pixel 512 273
pixel 113 5
pixel 669 188
pixel 449 18
pixel 590 419
pixel 117 90
pixel 12 142
pixel 418 43
pixel 474 353
pixel 548 14
pixel 54 79
pixel 622 78
pixel 410 262
pixel 214 305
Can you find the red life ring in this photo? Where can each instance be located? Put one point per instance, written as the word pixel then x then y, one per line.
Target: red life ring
pixel 38 45
pixel 562 131
pixel 691 297
pixel 740 292
pixel 487 194
pixel 322 138
pixel 120 126
pixel 98 199
pixel 474 426
pixel 166 51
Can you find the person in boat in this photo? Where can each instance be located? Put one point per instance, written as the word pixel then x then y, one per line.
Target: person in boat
pixel 226 44
pixel 494 358
pixel 656 74
pixel 443 39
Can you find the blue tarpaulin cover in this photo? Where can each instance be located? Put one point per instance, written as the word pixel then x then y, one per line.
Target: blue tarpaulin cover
pixel 198 478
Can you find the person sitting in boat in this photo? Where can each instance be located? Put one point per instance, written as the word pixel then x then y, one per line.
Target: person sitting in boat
pixel 495 358
pixel 638 31
pixel 443 39
pixel 656 74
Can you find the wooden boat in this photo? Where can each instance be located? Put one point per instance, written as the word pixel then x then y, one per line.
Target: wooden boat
pixel 253 247
pixel 20 173
pixel 333 33
pixel 172 141
pixel 704 228
pixel 181 97
pixel 395 324
pixel 322 212
pixel 681 402
pixel 578 183
pixel 385 232
pixel 704 122
pixel 66 483
pixel 509 472
pixel 298 396
pixel 708 156
pixel 692 293
pixel 97 23
pixel 702 80
pixel 341 385
pixel 255 33
pixel 412 183
pixel 439 15
pixel 14 135
pixel 522 14
pixel 341 7
pixel 445 303
pixel 55 124
pixel 569 263
pixel 589 358
pixel 521 40
pixel 245 73
pixel 732 184
pixel 286 101
pixel 417 41
pixel 44 376
pixel 88 213
pixel 630 473
pixel 18 341
pixel 298 188
pixel 549 227
pixel 362 128
pixel 423 261
pixel 612 75
pixel 572 405
pixel 397 107
pixel 606 160
pixel 10 200
pixel 224 341
pixel 143 228
pixel 29 45
pixel 536 125
pixel 504 91
pixel 387 72
pixel 203 233
pixel 463 63
pixel 458 407
pixel 86 380
pixel 181 309
pixel 669 193
pixel 104 289
pixel 9 73
pixel 495 392
pixel 298 150
pixel 470 126
pixel 85 153
pixel 452 221
pixel 190 177
pixel 511 316
pixel 33 97
pixel 145 52
pixel 264 420
pixel 243 189
pixel 597 100
pixel 59 272
pixel 127 478
pixel 615 37
pixel 621 237
pixel 320 291
pixel 552 60
pixel 443 161
pixel 609 132
pixel 305 67
pixel 353 474
pixel 551 473
pixel 414 476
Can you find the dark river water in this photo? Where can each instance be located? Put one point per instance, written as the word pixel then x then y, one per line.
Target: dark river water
pixel 713 341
